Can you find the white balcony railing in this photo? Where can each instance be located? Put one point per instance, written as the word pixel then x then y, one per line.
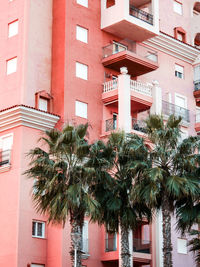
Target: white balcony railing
pixel 110 85
pixel 145 89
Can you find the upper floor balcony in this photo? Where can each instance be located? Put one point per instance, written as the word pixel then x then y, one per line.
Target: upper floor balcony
pixel 137 20
pixel 139 59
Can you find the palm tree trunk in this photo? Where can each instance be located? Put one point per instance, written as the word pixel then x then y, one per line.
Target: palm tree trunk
pixel 125 250
pixel 167 244
pixel 75 228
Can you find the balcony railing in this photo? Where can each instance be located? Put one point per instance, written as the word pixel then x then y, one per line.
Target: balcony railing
pixel 111 125
pixel 145 89
pixel 141 246
pixel 141 14
pixel 169 109
pixel 111 244
pixel 139 125
pixel 197 85
pixel 5 157
pixel 110 85
pixel 131 46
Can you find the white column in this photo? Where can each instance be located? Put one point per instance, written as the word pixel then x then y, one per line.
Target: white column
pixel 124 101
pixel 131 245
pixel 156 107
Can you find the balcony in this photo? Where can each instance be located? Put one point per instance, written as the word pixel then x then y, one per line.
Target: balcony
pixel 141 246
pixel 197 122
pixel 169 109
pixel 141 94
pixel 137 58
pixel 197 91
pixel 5 158
pixel 137 20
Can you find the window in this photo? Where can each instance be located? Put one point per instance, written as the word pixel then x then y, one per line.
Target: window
pixel 81 71
pixel 179 71
pixel 43 104
pixel 182 246
pixel 13 28
pixel 5 149
pixel 178 8
pixel 111 242
pixel 81 109
pixel 11 65
pixel 83 3
pixel 37 265
pixel 38 229
pixel 180 34
pixel 84 245
pixel 81 34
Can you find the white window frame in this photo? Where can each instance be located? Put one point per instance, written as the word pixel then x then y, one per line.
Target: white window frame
pixel 13 28
pixel 79 107
pixel 81 71
pixel 82 3
pixel 178 7
pixel 179 71
pixel 43 229
pixel 184 246
pixel 82 34
pixel 14 67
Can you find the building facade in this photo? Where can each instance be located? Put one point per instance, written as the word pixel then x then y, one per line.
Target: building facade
pixel 110 63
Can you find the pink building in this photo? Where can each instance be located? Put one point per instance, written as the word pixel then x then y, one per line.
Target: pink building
pixel 106 62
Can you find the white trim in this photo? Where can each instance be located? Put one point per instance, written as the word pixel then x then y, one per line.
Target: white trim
pixel 173 47
pixel 25 116
pixel 36 229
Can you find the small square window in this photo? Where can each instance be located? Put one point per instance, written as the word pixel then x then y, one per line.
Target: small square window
pixel 182 246
pixel 81 34
pixel 11 66
pixel 43 104
pixel 13 28
pixel 81 109
pixel 81 71
pixel 178 8
pixel 83 3
pixel 179 71
pixel 38 229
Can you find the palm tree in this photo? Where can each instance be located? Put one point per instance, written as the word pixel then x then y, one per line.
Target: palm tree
pixel 195 245
pixel 169 178
pixel 115 164
pixel 61 179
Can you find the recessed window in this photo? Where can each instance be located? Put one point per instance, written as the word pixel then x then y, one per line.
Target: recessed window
pixel 81 71
pixel 178 8
pixel 5 149
pixel 179 71
pixel 43 104
pixel 13 28
pixel 182 246
pixel 81 34
pixel 81 109
pixel 83 3
pixel 38 229
pixel 11 66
